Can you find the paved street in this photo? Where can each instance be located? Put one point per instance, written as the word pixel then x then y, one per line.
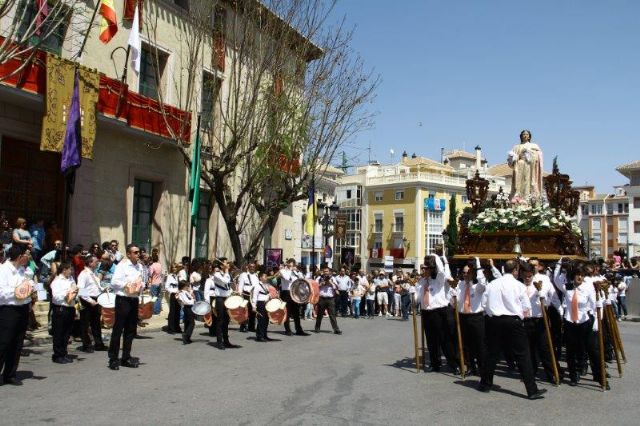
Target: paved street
pixel 365 376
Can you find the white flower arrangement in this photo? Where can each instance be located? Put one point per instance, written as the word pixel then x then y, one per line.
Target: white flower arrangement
pixel 522 218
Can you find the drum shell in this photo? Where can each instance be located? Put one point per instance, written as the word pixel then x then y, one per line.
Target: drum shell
pixel 145 310
pixel 314 291
pixel 108 317
pixel 277 311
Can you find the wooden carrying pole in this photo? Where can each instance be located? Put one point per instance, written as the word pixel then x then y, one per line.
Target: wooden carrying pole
pixel 547 332
pixel 415 333
pixel 603 372
pixel 463 367
pixel 616 331
pixel 614 341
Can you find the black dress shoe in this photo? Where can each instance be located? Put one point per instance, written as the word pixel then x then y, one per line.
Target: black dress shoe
pixel 432 369
pixel 101 348
pixel 260 339
pixel 317 330
pixel 302 333
pixel 220 346
pixel 129 363
pixel 61 360
pixel 185 342
pixel 114 365
pixel 484 388
pixel 337 332
pixel 538 394
pixel 269 339
pixel 86 349
pixel 12 381
pixel 230 345
pixel 288 333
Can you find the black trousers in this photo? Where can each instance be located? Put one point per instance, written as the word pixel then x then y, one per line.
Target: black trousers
pixel 343 300
pixel 580 339
pixel 188 323
pixel 503 332
pixel 221 321
pixel 62 318
pixel 293 310
pixel 538 347
pixel 214 318
pixel 13 327
pixel 251 322
pixel 474 341
pixel 328 303
pixel 126 323
pixel 263 320
pixel 555 324
pixel 90 321
pixel 405 300
pixel 438 334
pixel 173 321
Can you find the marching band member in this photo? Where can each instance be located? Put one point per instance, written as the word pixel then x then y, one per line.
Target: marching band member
pixel 259 299
pixel 246 282
pixel 186 298
pixel 63 298
pixel 288 274
pixel 579 324
pixel 221 283
pixel 127 284
pixel 14 313
pixel 533 323
pixel 171 286
pixel 433 292
pixel 469 292
pixel 506 303
pixel 91 312
pixel 328 291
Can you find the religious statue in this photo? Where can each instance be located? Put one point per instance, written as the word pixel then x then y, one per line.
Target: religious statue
pixel 526 161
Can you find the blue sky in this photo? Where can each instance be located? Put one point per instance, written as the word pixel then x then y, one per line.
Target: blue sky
pixel 479 71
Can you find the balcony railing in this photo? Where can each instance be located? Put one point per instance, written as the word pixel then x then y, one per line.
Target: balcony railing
pixel 428 178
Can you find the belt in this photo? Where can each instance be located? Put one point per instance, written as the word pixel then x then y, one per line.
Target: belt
pixel 472 314
pixel 327 297
pixel 63 307
pixel 532 318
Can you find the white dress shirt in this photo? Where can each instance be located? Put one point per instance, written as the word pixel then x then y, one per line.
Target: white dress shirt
pixel 171 284
pixel 586 302
pixel 182 275
pixel 10 278
pixel 287 276
pixel 259 293
pixel 437 287
pixel 476 292
pixel 60 288
pixel 195 279
pixel 327 287
pixel 185 298
pixel 547 291
pixel 125 273
pixel 506 296
pixel 344 282
pixel 88 281
pixel 218 285
pixel 247 281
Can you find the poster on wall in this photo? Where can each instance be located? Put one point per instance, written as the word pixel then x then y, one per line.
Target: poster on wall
pixel 273 257
pixel 347 256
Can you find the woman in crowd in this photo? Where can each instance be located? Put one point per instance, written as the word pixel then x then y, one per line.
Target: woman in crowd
pixel 20 234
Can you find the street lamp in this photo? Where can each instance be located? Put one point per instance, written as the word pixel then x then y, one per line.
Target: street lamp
pixel 327 214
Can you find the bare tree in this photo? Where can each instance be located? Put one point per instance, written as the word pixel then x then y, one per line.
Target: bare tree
pixel 293 93
pixel 29 25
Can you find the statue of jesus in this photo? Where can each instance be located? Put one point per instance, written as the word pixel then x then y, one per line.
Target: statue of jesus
pixel 526 161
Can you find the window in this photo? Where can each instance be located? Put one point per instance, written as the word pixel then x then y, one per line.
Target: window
pixel 152 65
pixel 377 223
pixel 585 210
pixel 465 199
pixel 399 195
pixel 620 208
pixel 623 238
pixel 56 29
pixel 626 207
pixel 348 194
pixel 353 220
pixel 636 227
pixel 596 237
pixel 210 91
pixel 596 209
pixel 182 3
pixel 610 208
pixel 636 202
pixel 378 196
pixel 433 230
pixel 202 226
pixel 595 224
pixel 398 225
pixel 623 224
pixel 142 213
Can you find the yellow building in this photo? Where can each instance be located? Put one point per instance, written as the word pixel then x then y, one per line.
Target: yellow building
pixel 405 207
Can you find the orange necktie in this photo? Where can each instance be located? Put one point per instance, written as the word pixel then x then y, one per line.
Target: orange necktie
pixel 467 299
pixel 574 307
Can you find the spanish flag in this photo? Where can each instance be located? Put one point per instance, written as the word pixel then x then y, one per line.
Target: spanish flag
pixel 311 211
pixel 109 22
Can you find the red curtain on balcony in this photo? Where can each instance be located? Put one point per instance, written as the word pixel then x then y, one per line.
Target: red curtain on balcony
pixel 130 9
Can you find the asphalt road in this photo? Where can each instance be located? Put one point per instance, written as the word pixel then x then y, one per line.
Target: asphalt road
pixel 365 376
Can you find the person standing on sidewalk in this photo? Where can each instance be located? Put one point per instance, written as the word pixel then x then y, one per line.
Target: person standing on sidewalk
pixel 344 286
pixel 382 284
pixel 155 281
pixel 14 313
pixel 127 284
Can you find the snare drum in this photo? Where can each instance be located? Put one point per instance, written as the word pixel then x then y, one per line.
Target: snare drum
pixel 237 308
pixel 277 311
pixel 108 303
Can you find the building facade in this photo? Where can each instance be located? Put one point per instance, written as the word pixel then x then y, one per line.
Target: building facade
pixel 632 189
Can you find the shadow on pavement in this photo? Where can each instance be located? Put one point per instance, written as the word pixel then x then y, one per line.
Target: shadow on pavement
pixel 27 375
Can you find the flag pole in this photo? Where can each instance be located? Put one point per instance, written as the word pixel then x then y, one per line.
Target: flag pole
pixel 86 34
pixel 197 182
